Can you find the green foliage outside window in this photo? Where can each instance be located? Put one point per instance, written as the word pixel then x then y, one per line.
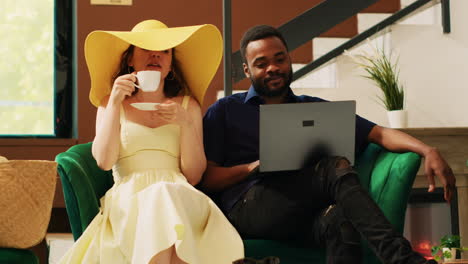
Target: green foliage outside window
pixel 27 67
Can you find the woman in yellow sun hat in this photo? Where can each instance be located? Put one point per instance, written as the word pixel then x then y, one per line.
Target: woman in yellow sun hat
pixel 153 142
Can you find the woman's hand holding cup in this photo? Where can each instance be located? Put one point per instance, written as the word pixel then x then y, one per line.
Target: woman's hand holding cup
pixel 124 85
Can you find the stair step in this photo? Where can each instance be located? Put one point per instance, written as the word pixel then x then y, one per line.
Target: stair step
pixel 322 46
pixel 58 244
pixel 405 3
pixel 429 16
pixel 381 41
pixel 368 20
pixel 324 77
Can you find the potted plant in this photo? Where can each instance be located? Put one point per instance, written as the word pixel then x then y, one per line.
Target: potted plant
pixel 385 74
pixel 449 244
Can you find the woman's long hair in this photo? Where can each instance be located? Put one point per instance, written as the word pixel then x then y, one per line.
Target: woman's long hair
pixel 173 85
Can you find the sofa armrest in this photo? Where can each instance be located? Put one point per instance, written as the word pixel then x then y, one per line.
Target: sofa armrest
pixel 83 185
pixel 17 256
pixel 388 177
pixel 391 183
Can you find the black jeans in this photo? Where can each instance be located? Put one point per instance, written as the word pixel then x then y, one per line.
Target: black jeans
pixel 320 206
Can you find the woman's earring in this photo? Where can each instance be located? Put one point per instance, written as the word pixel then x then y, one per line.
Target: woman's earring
pixel 170 76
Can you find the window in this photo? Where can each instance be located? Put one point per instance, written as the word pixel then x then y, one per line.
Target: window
pixel 36 68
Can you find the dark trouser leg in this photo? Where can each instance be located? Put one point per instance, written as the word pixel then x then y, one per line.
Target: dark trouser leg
pixel 366 216
pixel 368 219
pixel 338 234
pixel 263 213
pixel 284 205
pixel 292 206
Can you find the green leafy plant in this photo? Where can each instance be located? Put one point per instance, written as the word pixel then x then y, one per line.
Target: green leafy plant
pixel 384 73
pixel 447 241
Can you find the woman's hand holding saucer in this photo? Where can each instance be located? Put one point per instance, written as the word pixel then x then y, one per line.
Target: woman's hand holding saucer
pixel 173 112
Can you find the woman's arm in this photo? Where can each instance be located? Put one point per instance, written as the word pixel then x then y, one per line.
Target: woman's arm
pixel 192 154
pixel 106 143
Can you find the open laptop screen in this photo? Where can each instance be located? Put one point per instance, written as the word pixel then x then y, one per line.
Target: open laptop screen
pixel 291 135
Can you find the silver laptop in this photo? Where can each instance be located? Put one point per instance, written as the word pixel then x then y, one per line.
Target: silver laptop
pixel 293 136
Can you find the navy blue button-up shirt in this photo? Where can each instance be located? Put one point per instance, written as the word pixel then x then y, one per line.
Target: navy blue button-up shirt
pixel 231 136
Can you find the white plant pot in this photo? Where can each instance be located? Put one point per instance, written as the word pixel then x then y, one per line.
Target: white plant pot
pixel 453 251
pixel 398 118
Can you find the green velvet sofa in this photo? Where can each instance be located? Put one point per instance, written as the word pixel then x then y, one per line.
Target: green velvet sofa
pixel 17 256
pixel 387 176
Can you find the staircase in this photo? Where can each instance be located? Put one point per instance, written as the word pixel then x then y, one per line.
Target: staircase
pixel 327 76
pixel 341 79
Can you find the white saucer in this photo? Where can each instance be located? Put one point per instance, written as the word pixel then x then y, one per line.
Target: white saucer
pixel 145 106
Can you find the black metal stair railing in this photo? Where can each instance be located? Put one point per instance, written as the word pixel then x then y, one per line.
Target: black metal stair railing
pixel 322 17
pixel 360 38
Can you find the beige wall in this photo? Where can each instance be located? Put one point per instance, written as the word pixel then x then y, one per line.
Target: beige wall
pixel 434 67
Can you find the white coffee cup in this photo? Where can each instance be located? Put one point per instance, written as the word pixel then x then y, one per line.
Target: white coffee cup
pixel 148 81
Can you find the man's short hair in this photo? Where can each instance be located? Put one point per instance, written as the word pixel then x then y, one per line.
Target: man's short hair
pixel 256 33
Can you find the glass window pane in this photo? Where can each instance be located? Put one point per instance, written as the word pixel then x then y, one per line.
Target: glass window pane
pixel 27 67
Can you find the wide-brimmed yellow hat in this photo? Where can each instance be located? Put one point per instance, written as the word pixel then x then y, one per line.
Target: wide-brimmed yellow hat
pixel 198 53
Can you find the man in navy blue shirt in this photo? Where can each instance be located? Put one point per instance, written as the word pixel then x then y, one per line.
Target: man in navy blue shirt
pixel 323 204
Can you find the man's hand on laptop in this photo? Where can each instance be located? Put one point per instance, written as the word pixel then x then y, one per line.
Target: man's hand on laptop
pixel 434 164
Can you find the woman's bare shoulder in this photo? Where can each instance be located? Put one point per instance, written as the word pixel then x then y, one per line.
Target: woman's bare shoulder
pixel 193 103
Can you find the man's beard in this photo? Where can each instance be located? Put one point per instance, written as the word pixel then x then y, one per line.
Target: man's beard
pixel 262 88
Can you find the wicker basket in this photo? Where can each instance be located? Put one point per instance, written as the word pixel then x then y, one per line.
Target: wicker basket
pixel 27 190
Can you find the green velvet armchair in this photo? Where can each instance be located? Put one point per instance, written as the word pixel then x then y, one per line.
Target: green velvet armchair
pixel 387 176
pixel 17 256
